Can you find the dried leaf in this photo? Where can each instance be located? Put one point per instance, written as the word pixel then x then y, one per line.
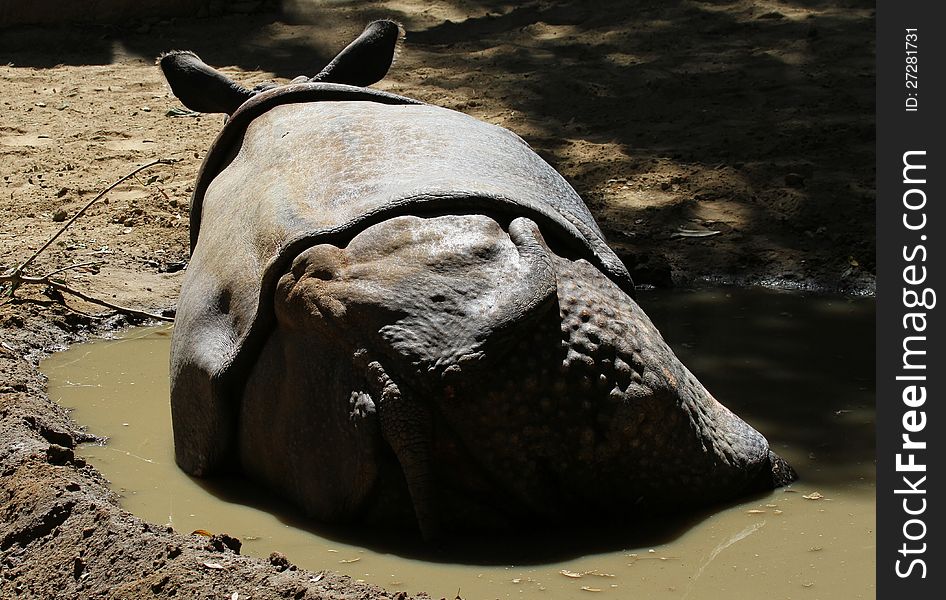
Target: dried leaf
pixel 350 560
pixel 215 566
pixel 202 532
pixel 586 588
pixel 317 578
pixel 571 574
pixel 181 112
pixel 813 496
pixel 693 233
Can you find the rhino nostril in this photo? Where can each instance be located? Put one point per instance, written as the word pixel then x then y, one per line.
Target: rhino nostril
pixel 223 301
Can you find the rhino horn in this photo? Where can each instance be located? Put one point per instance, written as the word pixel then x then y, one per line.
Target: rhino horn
pixel 367 59
pixel 200 87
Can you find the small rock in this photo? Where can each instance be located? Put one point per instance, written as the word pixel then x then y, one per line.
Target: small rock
pixel 59 455
pixel 174 267
pixel 158 586
pixel 78 566
pixel 794 180
pixel 13 321
pixel 59 216
pixel 222 541
pixel 279 560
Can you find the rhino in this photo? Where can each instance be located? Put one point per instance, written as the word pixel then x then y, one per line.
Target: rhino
pixel 398 315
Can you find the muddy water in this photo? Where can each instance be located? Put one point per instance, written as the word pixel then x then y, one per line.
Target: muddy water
pixel 799 368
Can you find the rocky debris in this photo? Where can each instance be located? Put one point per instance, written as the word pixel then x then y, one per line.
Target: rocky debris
pixel 279 560
pixel 222 542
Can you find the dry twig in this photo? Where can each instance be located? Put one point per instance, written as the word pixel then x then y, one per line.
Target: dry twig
pixel 16 277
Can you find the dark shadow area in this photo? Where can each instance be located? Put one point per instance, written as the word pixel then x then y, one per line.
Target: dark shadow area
pixel 523 546
pixel 783 117
pixel 224 41
pixel 797 367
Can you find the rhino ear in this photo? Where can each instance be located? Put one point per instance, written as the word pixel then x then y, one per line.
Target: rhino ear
pixel 367 59
pixel 200 87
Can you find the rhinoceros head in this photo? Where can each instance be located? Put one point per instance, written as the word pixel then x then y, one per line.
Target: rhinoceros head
pixel 396 309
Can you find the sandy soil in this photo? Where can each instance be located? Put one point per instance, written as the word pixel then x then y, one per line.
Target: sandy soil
pixel 749 123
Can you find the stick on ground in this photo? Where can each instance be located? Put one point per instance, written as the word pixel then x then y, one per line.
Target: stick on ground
pixel 16 277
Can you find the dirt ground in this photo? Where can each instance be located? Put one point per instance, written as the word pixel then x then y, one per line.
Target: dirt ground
pixel 715 142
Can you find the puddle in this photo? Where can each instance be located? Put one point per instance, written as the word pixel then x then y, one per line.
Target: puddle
pixel 797 367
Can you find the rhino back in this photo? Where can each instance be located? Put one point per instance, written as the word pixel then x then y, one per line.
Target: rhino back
pixel 319 172
pixel 317 167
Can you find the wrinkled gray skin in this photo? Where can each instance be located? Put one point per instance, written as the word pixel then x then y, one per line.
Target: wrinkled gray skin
pixel 394 311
